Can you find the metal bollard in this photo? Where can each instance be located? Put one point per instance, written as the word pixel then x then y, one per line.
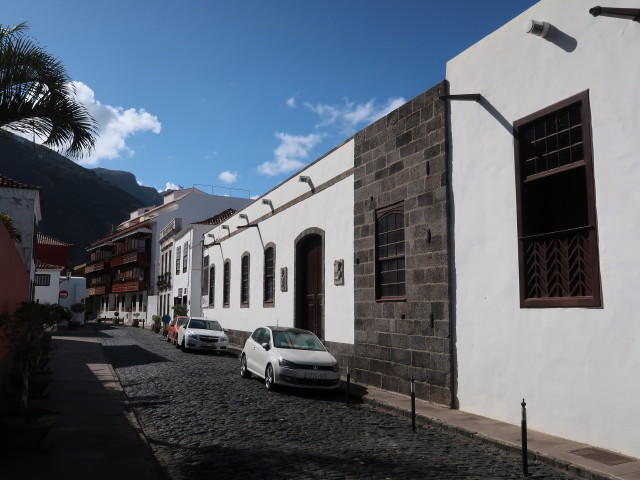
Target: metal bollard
pixel 525 465
pixel 413 405
pixel 348 385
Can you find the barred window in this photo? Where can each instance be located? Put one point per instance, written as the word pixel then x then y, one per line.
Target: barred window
pixel 226 283
pixel 212 285
pixel 205 276
pixel 244 282
pixel 42 279
pixel 557 231
pixel 185 257
pixel 269 274
pixel 178 257
pixel 390 258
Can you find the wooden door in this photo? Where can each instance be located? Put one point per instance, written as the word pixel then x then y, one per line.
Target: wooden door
pixel 310 285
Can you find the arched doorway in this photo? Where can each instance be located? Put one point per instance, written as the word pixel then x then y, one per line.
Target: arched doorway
pixel 309 281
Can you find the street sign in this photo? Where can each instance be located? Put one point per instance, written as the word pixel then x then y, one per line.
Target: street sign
pixel 63 294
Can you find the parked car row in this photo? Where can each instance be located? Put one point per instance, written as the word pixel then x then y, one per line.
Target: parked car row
pixel 284 356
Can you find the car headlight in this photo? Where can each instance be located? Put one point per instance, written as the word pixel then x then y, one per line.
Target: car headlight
pixel 335 368
pixel 287 364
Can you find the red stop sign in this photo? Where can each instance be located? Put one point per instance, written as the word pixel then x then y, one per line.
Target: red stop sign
pixel 63 294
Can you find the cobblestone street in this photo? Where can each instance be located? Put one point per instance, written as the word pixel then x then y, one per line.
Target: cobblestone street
pixel 203 421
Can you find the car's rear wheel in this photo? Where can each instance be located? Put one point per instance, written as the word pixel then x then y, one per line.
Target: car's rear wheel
pixel 244 371
pixel 269 381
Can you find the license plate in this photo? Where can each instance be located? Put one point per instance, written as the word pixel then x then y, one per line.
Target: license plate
pixel 316 376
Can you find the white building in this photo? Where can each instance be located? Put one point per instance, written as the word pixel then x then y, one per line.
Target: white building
pixel 545 178
pixel 124 267
pixel 22 204
pixel 273 262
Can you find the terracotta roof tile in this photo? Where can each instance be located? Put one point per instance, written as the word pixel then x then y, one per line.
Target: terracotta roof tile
pixel 219 218
pixel 47 240
pixel 6 182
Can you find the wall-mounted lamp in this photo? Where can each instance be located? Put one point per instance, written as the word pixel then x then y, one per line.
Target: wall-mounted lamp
pixel 626 13
pixel 244 216
pixel 266 201
pixel 304 179
pixel 210 235
pixel 226 227
pixel 535 27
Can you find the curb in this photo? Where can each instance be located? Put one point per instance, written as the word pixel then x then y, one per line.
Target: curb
pixel 562 465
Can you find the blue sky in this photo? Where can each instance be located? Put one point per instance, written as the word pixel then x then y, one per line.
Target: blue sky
pixel 241 94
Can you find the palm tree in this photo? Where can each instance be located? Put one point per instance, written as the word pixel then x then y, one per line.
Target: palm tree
pixel 36 95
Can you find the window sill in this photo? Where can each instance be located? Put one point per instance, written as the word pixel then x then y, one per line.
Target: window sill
pixel 391 299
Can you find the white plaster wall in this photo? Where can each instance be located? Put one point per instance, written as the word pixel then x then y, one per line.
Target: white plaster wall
pixel 577 368
pixel 48 294
pixel 330 210
pixel 194 207
pixel 21 206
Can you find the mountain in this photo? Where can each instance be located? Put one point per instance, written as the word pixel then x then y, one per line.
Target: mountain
pixel 78 205
pixel 127 182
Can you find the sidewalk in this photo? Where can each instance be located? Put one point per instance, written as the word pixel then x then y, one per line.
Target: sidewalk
pixel 577 458
pixel 95 435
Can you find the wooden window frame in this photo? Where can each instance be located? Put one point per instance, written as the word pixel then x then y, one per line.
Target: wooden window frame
pixel 245 274
pixel 580 241
pixel 185 257
pixel 397 208
pixel 269 277
pixel 178 259
pixel 226 284
pixel 212 285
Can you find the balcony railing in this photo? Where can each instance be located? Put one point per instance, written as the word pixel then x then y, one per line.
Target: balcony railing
pixel 173 226
pixel 164 280
pixel 96 267
pixel 131 257
pixel 128 287
pixel 97 291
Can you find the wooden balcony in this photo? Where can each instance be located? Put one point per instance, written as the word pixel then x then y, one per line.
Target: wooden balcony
pixel 131 257
pixel 128 287
pixel 96 267
pixel 97 291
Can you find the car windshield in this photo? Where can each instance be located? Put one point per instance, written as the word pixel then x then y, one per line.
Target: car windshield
pixel 205 325
pixel 297 341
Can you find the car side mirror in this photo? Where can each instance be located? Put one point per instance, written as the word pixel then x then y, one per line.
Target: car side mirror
pixel 265 346
pixel 225 330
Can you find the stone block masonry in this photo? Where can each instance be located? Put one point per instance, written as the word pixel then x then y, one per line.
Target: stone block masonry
pixel 403 158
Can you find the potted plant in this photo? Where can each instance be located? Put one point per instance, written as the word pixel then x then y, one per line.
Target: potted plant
pixel 116 320
pixel 135 320
pixel 157 323
pixel 76 309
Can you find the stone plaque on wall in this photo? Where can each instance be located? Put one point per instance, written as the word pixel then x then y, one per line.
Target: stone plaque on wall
pixel 283 279
pixel 338 272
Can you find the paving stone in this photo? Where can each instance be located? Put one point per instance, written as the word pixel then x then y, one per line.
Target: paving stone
pixel 203 421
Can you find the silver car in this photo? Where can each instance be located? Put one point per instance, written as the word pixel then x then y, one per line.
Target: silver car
pixel 289 356
pixel 202 333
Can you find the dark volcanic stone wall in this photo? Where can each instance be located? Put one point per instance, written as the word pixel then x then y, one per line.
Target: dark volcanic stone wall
pixel 403 158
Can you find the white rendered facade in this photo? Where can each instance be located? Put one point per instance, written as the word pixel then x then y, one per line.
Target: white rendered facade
pixel 576 367
pixel 278 219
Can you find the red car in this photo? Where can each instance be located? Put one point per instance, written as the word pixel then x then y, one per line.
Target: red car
pixel 173 327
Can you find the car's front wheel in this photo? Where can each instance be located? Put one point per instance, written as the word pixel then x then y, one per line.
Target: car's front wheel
pixel 269 380
pixel 183 347
pixel 244 371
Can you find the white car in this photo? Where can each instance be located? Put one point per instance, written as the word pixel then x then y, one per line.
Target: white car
pixel 289 356
pixel 202 333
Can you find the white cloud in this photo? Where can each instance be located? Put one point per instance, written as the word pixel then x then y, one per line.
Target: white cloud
pixel 115 124
pixel 350 115
pixel 170 186
pixel 228 177
pixel 291 102
pixel 291 152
